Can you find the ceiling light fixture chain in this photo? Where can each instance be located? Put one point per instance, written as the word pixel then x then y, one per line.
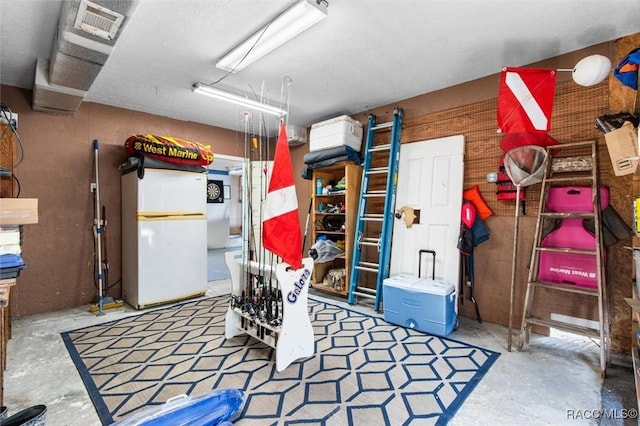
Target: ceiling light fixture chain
pixel 235 67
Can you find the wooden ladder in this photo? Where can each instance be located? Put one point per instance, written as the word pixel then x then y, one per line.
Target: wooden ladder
pixel 569 164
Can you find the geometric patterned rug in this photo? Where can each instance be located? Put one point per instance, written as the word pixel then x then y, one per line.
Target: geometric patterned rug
pixel 364 371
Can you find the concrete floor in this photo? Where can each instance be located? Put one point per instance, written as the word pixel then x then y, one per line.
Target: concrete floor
pixel 216 267
pixel 553 381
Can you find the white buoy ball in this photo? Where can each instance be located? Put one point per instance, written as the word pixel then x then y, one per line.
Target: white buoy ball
pixel 591 70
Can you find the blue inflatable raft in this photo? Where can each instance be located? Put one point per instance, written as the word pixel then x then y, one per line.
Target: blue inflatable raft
pixel 216 407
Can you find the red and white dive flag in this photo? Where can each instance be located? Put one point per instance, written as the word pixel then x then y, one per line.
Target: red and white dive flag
pixel 525 99
pixel 281 233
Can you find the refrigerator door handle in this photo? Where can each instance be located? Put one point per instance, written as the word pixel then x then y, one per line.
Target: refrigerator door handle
pixel 171 216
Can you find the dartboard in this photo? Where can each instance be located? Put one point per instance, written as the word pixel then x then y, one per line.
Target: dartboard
pixel 214 191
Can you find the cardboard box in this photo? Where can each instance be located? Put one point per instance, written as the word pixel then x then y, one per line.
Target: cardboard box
pixel 18 211
pixel 622 145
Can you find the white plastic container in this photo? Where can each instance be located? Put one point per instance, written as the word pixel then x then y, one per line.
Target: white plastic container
pixel 338 131
pixel 296 135
pixel 420 303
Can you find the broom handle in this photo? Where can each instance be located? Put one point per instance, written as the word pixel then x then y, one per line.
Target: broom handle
pixel 98 230
pixel 105 259
pixel 513 266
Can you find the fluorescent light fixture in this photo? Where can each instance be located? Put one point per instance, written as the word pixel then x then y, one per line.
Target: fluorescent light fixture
pixel 213 92
pixel 284 27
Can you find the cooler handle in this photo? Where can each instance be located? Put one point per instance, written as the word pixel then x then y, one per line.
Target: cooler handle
pixel 433 253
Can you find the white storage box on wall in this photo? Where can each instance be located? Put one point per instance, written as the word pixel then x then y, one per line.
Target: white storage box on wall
pixel 296 135
pixel 335 132
pixel 423 304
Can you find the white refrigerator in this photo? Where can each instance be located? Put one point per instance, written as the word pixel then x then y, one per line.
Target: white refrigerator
pixel 164 237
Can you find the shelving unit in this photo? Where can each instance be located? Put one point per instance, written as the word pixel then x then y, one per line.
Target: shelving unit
pixel 634 302
pixel 349 199
pixel 7 161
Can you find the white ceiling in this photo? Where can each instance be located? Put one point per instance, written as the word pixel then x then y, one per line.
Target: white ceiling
pixel 367 53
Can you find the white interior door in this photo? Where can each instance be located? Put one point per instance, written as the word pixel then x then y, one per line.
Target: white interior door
pixel 430 179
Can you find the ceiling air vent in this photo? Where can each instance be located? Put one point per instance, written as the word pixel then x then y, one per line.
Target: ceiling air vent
pixel 97 20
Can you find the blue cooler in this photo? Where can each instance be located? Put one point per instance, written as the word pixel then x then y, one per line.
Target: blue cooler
pixel 420 303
